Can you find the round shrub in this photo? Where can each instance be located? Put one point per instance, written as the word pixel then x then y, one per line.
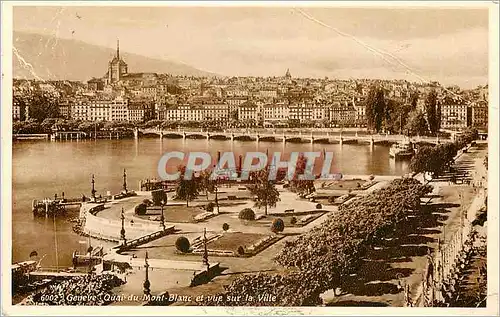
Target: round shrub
pixel 147 202
pixel 371 177
pixel 182 244
pixel 319 206
pixel 210 207
pixel 241 250
pixel 247 214
pixel 225 227
pixel 358 185
pixel 278 225
pixel 141 209
pixel 293 220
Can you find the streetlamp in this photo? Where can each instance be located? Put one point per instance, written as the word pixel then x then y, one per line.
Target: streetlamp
pixel 122 231
pixel 216 198
pixel 124 181
pixel 147 284
pixel 205 250
pixel 93 191
pixel 162 217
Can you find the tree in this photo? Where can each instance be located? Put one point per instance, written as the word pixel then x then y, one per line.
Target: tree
pixel 375 105
pixel 42 106
pixel 233 115
pixel 206 183
pixel 264 190
pixel 301 186
pixel 431 111
pixel 141 209
pixel 48 123
pixel 438 116
pixel 153 123
pixel 435 159
pixel 17 127
pixel 325 123
pixel 414 100
pixel 187 189
pixel 416 124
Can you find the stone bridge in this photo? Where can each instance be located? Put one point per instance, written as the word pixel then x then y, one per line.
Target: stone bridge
pixel 296 137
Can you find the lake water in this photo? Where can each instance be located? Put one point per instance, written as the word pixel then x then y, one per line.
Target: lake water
pixel 43 168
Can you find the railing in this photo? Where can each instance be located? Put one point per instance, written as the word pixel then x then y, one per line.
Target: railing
pixel 336 135
pixel 443 265
pixel 143 239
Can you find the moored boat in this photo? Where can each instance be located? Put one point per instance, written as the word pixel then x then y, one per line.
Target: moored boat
pixel 402 150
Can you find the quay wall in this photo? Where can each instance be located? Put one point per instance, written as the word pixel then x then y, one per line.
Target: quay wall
pixel 108 229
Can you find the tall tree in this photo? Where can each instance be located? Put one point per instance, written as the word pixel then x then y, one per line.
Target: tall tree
pixel 187 189
pixel 416 124
pixel 42 106
pixel 438 116
pixel 301 186
pixel 375 105
pixel 430 109
pixel 206 183
pixel 264 190
pixel 414 100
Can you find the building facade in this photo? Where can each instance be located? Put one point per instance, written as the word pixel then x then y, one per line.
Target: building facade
pixel 342 114
pixel 480 115
pixel 455 116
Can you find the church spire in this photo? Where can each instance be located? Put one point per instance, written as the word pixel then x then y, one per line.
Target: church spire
pixel 118 49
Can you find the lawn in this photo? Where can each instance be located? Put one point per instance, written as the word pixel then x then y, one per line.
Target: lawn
pixel 287 219
pixel 230 241
pixel 180 214
pixel 343 184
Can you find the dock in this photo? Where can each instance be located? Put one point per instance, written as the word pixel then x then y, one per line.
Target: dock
pixel 55 206
pixel 93 257
pixel 49 274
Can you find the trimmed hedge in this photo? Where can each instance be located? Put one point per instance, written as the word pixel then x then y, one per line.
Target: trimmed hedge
pixel 182 244
pixel 141 209
pixel 278 225
pixel 247 214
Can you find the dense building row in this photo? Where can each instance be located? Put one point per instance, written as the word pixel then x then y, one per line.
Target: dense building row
pixel 123 96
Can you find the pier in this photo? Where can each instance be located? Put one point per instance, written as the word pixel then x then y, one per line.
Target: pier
pixel 48 206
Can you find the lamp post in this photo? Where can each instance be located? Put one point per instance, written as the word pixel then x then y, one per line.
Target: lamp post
pixel 162 217
pixel 122 231
pixel 93 191
pixel 147 284
pixel 205 250
pixel 216 197
pixel 124 181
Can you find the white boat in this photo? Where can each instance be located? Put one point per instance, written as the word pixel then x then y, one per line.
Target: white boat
pixel 402 150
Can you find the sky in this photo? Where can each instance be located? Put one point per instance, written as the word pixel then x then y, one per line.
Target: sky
pixel 447 45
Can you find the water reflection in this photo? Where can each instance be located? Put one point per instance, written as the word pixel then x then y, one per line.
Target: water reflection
pixel 41 169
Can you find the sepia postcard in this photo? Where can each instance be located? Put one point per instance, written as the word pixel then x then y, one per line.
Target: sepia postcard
pixel 250 158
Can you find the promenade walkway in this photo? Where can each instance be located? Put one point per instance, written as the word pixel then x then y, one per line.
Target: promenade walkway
pixel 402 259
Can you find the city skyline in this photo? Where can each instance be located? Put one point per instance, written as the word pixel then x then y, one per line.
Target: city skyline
pixel 312 42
